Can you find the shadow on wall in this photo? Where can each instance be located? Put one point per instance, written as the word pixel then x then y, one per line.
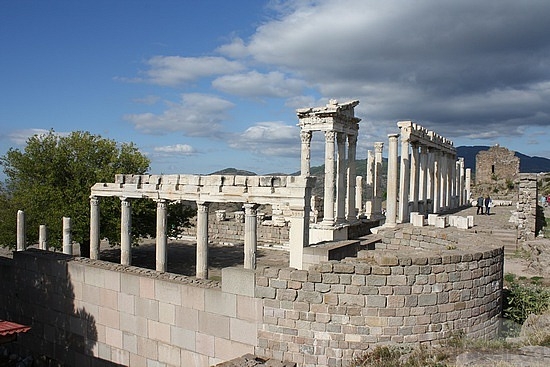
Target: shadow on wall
pixel 37 291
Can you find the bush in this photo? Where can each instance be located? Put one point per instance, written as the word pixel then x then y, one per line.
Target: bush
pixel 521 300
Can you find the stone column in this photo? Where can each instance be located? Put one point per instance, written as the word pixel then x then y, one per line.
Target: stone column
pixel 341 172
pixel 443 179
pixel 299 230
pixel 328 203
pixel 250 235
pixel 67 240
pixel 43 237
pixel 377 180
pixel 94 227
pixel 436 199
pixel 415 179
pixel 453 163
pixel 404 181
pixel 461 181
pixel 126 232
pixel 391 202
pixel 423 182
pixel 21 231
pixel 351 213
pixel 369 200
pixel 305 136
pixel 467 185
pixel 359 195
pixel 202 240
pixel 162 239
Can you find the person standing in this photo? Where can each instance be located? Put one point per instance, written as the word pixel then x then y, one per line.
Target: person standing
pixel 488 204
pixel 480 204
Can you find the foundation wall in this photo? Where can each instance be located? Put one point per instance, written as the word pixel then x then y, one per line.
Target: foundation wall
pixel 93 313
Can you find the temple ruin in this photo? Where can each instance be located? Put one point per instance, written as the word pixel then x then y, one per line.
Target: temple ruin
pixel 342 292
pixel 496 164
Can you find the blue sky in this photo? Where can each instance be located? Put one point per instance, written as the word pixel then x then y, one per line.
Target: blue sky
pixel 200 86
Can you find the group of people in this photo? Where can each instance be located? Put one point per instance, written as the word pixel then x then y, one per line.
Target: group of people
pixel 487 202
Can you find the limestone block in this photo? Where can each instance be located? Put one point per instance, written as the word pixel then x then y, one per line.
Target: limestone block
pixel 470 221
pixel 453 220
pixel 432 219
pixel 417 219
pixel 237 280
pixel 220 303
pixel 461 223
pixel 441 222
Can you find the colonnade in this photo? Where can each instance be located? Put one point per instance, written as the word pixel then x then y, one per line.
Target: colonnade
pixel 431 179
pixel 339 125
pixel 250 235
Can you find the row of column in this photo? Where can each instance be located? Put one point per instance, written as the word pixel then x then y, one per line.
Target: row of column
pixel 21 241
pixel 339 203
pixel 250 238
pixel 430 180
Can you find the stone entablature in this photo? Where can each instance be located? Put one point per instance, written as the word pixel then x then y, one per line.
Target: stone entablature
pixel 496 164
pixel 292 192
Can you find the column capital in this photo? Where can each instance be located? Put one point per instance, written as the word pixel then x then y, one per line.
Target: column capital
pixel 94 200
pixel 202 206
pixel 305 136
pixel 250 208
pixel 393 137
pixel 161 203
pixel 378 146
pixel 330 135
pixel 124 201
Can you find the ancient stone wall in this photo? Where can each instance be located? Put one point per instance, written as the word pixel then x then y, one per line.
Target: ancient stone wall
pixel 527 213
pixel 89 312
pixel 496 164
pixel 337 310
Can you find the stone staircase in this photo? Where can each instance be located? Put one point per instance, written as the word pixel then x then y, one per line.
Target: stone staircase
pixel 506 238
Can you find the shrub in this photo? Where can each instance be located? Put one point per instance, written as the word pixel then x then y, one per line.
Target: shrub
pixel 521 300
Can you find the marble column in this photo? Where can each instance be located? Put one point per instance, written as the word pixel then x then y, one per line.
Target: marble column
pixel 436 199
pixel 202 240
pixel 162 238
pixel 415 176
pixel 369 199
pixel 391 203
pixel 305 137
pixel 461 181
pixel 443 179
pixel 377 180
pixel 67 240
pixel 423 182
pixel 351 212
pixel 328 202
pixel 467 185
pixel 125 232
pixel 341 176
pixel 404 182
pixel 94 227
pixel 21 231
pixel 43 237
pixel 359 195
pixel 250 235
pixel 453 182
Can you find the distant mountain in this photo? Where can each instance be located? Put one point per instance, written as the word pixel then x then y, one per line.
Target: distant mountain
pixel 527 164
pixel 233 172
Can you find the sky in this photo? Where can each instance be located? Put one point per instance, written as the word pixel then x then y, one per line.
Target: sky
pixel 205 85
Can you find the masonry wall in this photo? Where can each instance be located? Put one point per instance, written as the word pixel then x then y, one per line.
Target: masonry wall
pixel 337 310
pixel 529 214
pixel 93 313
pixel 496 164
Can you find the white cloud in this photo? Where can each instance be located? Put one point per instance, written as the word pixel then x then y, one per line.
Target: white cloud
pixel 255 84
pixel 196 115
pixel 235 49
pixel 176 70
pixel 147 100
pixel 20 137
pixel 269 138
pixel 179 149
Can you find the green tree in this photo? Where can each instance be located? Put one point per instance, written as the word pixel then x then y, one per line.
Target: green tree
pixel 51 178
